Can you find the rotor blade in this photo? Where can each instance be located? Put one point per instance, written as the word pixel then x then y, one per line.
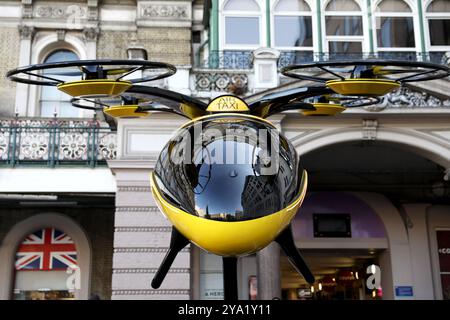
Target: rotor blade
pixel 43 77
pixel 180 103
pixel 65 73
pixel 333 73
pixel 129 72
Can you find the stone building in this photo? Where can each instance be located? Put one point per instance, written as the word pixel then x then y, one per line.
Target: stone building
pixel 379 172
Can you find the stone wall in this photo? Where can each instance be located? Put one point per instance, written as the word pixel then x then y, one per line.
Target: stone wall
pixel 141 239
pixel 10 42
pixel 98 224
pixel 172 45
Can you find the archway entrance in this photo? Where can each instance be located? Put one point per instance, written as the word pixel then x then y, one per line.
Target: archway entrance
pixel 368 183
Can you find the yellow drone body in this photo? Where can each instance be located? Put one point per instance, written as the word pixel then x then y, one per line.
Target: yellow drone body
pixel 324 109
pixel 224 238
pixel 125 111
pixel 363 87
pixel 94 88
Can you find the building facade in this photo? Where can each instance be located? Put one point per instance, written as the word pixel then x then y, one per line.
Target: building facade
pixel 77 219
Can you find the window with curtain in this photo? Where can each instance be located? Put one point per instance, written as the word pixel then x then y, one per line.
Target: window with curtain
pixel 394 25
pixel 438 16
pixel 52 100
pixel 241 23
pixel 344 27
pixel 293 24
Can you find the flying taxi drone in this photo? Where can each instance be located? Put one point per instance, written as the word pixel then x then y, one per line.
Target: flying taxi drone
pixel 238 208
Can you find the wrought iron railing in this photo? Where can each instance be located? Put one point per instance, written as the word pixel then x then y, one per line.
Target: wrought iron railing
pixel 296 57
pixel 55 143
pixel 229 59
pixel 243 60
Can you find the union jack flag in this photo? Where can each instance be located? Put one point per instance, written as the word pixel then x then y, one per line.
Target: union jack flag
pixel 45 250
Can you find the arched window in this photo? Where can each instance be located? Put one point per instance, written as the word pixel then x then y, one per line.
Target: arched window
pixel 292 21
pixel 46 266
pixel 241 24
pixel 52 100
pixel 344 32
pixel 394 21
pixel 438 16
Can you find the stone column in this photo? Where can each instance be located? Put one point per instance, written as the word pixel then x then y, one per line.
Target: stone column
pixel 420 250
pixel 269 272
pixel 26 36
pixel 142 234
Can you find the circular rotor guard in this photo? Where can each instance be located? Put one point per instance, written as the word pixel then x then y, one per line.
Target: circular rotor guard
pixel 56 73
pixel 398 71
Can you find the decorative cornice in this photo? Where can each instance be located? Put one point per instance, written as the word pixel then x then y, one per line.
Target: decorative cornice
pixel 133 189
pixel 143 229
pixel 73 12
pixel 149 270
pixel 137 209
pixel 407 98
pixel 164 10
pixel 146 250
pixel 152 292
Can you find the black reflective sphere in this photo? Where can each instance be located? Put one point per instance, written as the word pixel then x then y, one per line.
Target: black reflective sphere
pixel 228 168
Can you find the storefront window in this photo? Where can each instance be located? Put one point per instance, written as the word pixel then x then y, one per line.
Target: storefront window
pixel 46 266
pixel 443 244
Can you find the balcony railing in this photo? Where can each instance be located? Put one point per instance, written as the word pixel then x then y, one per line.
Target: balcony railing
pixel 297 57
pixel 55 143
pixel 229 59
pixel 232 59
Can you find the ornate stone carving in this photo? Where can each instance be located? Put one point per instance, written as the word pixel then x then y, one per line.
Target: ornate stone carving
pixel 221 81
pixel 407 98
pixel 26 32
pixel 164 11
pixel 73 12
pixel 91 34
pixel 369 131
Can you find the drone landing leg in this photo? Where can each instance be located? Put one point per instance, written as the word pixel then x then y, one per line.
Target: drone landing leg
pixel 230 285
pixel 286 242
pixel 177 243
